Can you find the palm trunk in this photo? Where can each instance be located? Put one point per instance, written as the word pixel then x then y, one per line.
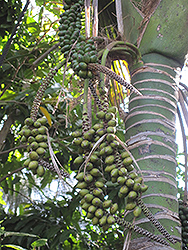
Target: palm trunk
pixel 150 136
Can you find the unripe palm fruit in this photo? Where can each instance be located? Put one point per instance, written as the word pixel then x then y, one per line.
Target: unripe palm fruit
pixel 42 130
pixel 133 175
pixel 112 123
pixel 100 115
pixel 130 168
pixel 110 137
pixel 30 139
pixel 106 204
pixel 143 188
pixel 124 155
pixel 95 220
pixel 26 162
pixel 43 144
pixel 114 144
pixel 83 192
pixel 109 116
pixel 112 109
pixel 26 132
pixel 33 164
pixel 124 190
pixel 37 124
pixel 23 139
pixel 80 176
pixel 92 209
pixel 95 172
pixel 85 144
pixel 102 152
pixel 132 195
pixel 40 151
pixel 89 134
pixel 100 132
pixel 85 206
pixel 138 180
pixel 130 205
pixel 127 161
pixel 34 145
pixel 114 208
pixel 109 168
pixel 76 133
pixel 42 120
pixel 88 197
pixel 28 121
pixel 137 211
pixel 33 156
pixel 34 132
pixel 90 215
pixel 40 171
pixel 109 160
pixel 110 220
pixel 99 213
pixel 114 172
pixel 98 126
pixel 40 138
pixel 113 179
pixel 129 183
pixel 96 202
pixel 103 220
pixel 94 158
pixel 99 184
pixel 121 180
pixel 79 160
pixel 136 186
pixel 89 166
pixel 108 150
pixel 111 130
pixel 97 192
pixel 81 185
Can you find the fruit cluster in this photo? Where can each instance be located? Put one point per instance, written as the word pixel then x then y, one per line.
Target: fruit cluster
pixel 107 166
pixel 34 133
pixel 82 51
pixel 183 214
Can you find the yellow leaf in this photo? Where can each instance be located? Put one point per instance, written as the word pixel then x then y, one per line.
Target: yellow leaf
pixel 47 115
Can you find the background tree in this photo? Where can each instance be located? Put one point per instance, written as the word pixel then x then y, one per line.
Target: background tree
pixel 149 125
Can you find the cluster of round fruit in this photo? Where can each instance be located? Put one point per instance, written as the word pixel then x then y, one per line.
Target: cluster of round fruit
pixel 34 133
pixel 117 166
pixel 83 51
pixel 183 214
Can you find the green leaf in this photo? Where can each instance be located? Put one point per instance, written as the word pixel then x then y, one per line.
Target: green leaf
pixel 39 243
pixel 7 234
pixel 15 247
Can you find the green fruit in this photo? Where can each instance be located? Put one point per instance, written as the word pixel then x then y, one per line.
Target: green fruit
pixel 108 150
pixel 109 168
pixel 113 179
pixel 106 204
pixel 97 192
pixel 40 151
pixel 92 209
pixel 124 155
pixel 43 144
pixel 100 132
pixel 26 132
pixel 109 116
pixel 114 208
pixel 111 130
pixel 82 73
pixel 81 185
pixel 83 192
pixel 37 124
pixel 42 120
pixel 110 220
pixel 28 121
pixel 95 172
pixel 39 138
pixel 76 133
pixel 88 178
pixel 127 161
pixel 132 195
pixel 136 186
pixel 109 160
pixel 130 168
pixel 98 126
pixel 88 197
pixel 34 145
pixel 130 183
pixel 143 188
pixel 138 180
pixel 26 162
pixel 103 220
pixel 114 172
pixel 90 215
pixel 137 211
pixel 35 132
pixel 99 213
pixel 40 171
pixel 33 156
pixel 124 190
pixel 133 175
pixel 110 137
pixel 99 184
pixel 42 130
pixel 77 141
pixel 113 110
pixel 121 180
pixel 89 166
pixel 96 202
pixel 79 160
pixel 23 139
pixel 95 220
pixel 102 152
pixel 30 139
pixel 83 65
pixel 85 206
pixel 80 176
pixel 33 164
pixel 85 144
pixel 100 115
pixel 112 123
pixel 94 158
pixel 130 206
